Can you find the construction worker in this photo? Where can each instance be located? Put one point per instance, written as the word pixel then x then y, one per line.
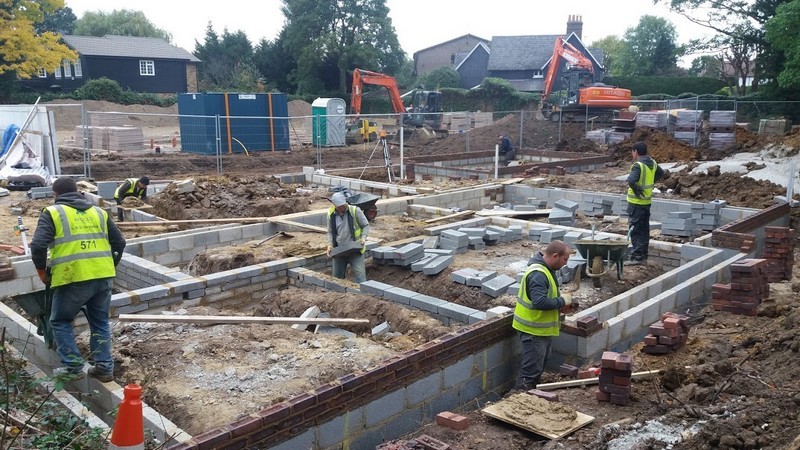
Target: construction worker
pixel 132 187
pixel 643 174
pixel 506 149
pixel 85 247
pixel 536 315
pixel 347 223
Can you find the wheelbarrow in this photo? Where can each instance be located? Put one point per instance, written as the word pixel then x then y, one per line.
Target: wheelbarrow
pixel 600 256
pixel 366 202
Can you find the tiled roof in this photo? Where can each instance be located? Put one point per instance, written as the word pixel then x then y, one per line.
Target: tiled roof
pixel 521 52
pixel 127 46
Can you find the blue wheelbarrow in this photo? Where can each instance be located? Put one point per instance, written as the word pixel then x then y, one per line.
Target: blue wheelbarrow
pixel 601 256
pixel 366 202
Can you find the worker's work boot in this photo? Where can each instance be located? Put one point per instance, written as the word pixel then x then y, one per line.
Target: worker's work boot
pixel 74 373
pixel 99 375
pixel 636 262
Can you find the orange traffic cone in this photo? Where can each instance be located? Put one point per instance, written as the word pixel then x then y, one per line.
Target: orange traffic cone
pixel 128 432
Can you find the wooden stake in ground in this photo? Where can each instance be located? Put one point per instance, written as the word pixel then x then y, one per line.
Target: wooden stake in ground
pixel 160 318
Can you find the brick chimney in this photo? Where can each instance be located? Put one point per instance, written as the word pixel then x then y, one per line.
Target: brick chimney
pixel 575 25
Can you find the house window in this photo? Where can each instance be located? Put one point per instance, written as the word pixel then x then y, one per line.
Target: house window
pixel 147 68
pixel 78 68
pixel 42 73
pixel 58 72
pixel 537 73
pixel 67 68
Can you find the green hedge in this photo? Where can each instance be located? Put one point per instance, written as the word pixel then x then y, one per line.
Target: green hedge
pixel 100 89
pixel 673 86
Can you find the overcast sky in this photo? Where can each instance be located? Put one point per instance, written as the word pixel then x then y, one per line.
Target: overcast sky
pixel 419 23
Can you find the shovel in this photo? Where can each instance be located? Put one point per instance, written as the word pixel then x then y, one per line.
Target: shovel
pixel 279 233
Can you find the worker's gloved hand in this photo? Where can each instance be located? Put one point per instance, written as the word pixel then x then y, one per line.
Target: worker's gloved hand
pixel 363 241
pixel 567 299
pixel 328 251
pixel 638 192
pixel 44 276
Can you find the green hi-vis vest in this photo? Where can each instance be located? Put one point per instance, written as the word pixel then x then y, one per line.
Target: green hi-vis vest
pixel 80 250
pixel 535 321
pixel 130 190
pixel 356 229
pixel 647 177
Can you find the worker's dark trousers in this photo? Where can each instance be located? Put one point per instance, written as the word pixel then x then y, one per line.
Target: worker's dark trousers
pixel 509 156
pixel 119 210
pixel 639 219
pixel 535 353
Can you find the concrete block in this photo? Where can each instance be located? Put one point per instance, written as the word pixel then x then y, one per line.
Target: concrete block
pixel 310 313
pixel 567 205
pixel 437 265
pixel 426 303
pixel 420 264
pixel 424 389
pixel 480 277
pixel 497 286
pixel 456 312
pixel 399 295
pixel 380 329
pixel 498 311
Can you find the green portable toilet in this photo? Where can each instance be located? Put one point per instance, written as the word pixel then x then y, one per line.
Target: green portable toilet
pixel 328 122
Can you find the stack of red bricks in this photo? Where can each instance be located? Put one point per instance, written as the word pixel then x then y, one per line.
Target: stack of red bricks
pixel 779 253
pixel 615 378
pixel 6 269
pixel 748 288
pixel 667 335
pixel 585 326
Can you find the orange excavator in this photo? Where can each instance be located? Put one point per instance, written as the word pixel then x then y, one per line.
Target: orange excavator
pixel 583 94
pixel 425 114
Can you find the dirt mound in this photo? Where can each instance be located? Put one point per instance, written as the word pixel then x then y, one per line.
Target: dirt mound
pixel 299 108
pixel 660 146
pixel 68 117
pixel 230 196
pixel 733 188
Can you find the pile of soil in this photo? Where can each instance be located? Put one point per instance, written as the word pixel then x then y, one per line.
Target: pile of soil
pixel 660 146
pixel 748 192
pixel 230 196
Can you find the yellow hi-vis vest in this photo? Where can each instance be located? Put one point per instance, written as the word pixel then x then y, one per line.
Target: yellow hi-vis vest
pixel 536 321
pixel 647 178
pixel 130 190
pixel 80 250
pixel 356 226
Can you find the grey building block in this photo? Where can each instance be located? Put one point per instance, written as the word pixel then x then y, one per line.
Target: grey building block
pixel 551 235
pixel 430 242
pixel 567 205
pixel 513 289
pixel 399 295
pixel 437 265
pixel 379 329
pixel 477 246
pixel 420 264
pixel 480 277
pixel 426 303
pixel 525 208
pixel 566 344
pixel 385 407
pixel 456 312
pixel 346 247
pixel 385 252
pixel 477 317
pixel 594 344
pixel 304 440
pixel 460 276
pixel 473 232
pixel 498 311
pixel 501 230
pixel 492 236
pixel 459 372
pixel 375 288
pixel 424 389
pixel 409 251
pixel 454 236
pixel 438 251
pixel 615 326
pixel 497 286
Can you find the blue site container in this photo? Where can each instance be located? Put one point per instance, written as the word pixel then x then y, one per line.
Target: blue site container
pixel 247 122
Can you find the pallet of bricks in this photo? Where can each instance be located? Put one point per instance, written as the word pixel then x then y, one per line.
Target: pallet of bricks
pixel 688 126
pixel 667 335
pixel 614 382
pixel 654 120
pixel 779 253
pixel 749 287
pixel 721 133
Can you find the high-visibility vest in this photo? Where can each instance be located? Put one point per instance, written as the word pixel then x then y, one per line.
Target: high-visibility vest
pixel 536 321
pixel 647 178
pixel 80 250
pixel 131 189
pixel 356 230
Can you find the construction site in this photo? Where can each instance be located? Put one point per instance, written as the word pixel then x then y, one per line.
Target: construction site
pixel 226 313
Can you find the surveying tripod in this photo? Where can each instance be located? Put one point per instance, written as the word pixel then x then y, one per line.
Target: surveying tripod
pixel 386 158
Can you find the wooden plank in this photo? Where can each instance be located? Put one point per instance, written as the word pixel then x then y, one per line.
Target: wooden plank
pixel 495 411
pixel 512 181
pixel 303 226
pixel 587 381
pixel 193 222
pixel 510 213
pixel 161 318
pixel 464 213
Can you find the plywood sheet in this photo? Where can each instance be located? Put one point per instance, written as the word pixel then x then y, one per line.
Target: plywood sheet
pixel 496 411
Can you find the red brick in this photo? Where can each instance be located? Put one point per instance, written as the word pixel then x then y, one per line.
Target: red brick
pixel 452 421
pixel 602 396
pixel 7 273
pixel 568 370
pixel 624 362
pixel 621 381
pixel 656 349
pixel 586 322
pixel 608 359
pixel 583 374
pixel 651 340
pixel 671 322
pixel 620 399
pixel 549 396
pixel 429 443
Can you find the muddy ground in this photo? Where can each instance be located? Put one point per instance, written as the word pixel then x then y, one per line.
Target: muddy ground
pixel 734 381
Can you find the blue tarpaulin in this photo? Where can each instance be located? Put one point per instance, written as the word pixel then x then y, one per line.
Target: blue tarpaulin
pixel 8 138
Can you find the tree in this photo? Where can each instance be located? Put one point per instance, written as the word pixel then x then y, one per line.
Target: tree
pixel 23 50
pixel 781 33
pixel 706 66
pixel 338 36
pixel 60 21
pixel 227 61
pixel 121 22
pixel 612 47
pixel 442 77
pixel 275 63
pixel 649 48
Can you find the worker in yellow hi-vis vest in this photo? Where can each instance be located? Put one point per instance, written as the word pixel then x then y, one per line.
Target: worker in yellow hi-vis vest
pixel 537 313
pixel 85 247
pixel 132 187
pixel 641 180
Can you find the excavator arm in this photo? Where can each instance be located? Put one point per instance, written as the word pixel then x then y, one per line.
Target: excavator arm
pixel 564 51
pixel 362 77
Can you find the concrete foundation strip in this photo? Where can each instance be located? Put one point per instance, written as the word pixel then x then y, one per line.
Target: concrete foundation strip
pixel 168 318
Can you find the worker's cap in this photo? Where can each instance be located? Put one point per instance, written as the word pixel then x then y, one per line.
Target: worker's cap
pixel 144 180
pixel 640 147
pixel 338 199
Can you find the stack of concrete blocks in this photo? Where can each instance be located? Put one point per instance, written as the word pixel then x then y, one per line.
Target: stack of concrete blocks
pixel 599 137
pixel 472 277
pixel 40 192
pixel 615 378
pixel 549 235
pixel 563 212
pixel 615 137
pixel 575 264
pixel 706 216
pixel 597 206
pixel 454 240
pixel 657 120
pixel 535 232
pixel 779 253
pixel 507 234
pixel 667 335
pixel 457 121
pixel 772 127
pixel 482 119
pixel 721 125
pixel 475 236
pixel 678 223
pixel 498 286
pixel 536 203
pixel 433 261
pixel 749 286
pixel 689 125
pixel 413 256
pixel 408 254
